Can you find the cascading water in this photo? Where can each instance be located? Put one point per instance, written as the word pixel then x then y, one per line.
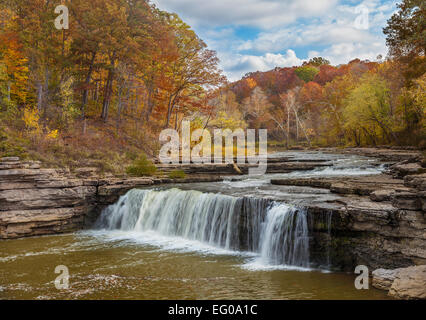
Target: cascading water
pixel 278 233
pixel 285 237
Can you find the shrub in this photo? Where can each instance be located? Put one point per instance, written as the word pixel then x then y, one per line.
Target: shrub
pixel 177 174
pixel 141 167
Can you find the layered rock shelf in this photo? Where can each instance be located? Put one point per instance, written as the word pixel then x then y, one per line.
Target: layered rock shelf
pixel 36 201
pixel 274 166
pixel 378 221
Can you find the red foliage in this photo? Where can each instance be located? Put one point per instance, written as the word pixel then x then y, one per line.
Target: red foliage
pixel 328 73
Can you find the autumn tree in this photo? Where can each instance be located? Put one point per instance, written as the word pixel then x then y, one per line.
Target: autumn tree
pixel 367 113
pixel 307 73
pixel 194 67
pixel 406 36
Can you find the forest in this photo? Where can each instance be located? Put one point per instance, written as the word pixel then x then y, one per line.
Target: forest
pixel 100 92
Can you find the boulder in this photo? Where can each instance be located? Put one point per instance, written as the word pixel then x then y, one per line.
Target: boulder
pixel 409 283
pixel 401 170
pixel 384 278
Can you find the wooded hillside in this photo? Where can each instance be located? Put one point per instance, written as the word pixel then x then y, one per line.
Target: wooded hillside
pixel 100 92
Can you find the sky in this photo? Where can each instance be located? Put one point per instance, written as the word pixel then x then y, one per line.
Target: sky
pixel 259 35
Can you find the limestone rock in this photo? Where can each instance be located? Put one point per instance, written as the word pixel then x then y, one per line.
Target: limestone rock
pixel 406 201
pixel 410 283
pixel 86 172
pixel 9 159
pixel 416 181
pixel 381 195
pixel 401 170
pixel 384 278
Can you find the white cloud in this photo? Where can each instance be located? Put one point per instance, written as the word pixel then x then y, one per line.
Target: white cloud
pixel 344 52
pixel 238 65
pixel 259 13
pixel 335 28
pixel 321 34
pixel 311 27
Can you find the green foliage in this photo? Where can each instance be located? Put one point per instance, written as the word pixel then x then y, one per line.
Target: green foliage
pixel 177 174
pixel 141 167
pixel 12 147
pixel 307 73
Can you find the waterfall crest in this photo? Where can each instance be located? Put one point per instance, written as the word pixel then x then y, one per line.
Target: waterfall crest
pixel 278 233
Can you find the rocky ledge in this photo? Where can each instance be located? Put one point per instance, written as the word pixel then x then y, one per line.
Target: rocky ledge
pixel 404 283
pixel 378 221
pixel 36 201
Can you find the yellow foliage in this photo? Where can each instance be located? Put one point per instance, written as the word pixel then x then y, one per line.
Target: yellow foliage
pixel 52 134
pixel 31 118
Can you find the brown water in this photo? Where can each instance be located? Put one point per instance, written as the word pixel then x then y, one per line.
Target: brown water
pixel 107 267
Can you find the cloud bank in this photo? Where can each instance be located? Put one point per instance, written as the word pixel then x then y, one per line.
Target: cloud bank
pixel 259 35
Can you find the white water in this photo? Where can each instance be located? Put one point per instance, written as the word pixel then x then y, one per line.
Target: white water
pixel 276 234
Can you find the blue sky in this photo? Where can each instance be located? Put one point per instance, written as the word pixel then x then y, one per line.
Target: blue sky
pixel 259 35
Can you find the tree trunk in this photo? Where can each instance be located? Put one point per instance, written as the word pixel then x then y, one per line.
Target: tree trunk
pixel 86 86
pixel 39 96
pixel 150 104
pixel 171 105
pixel 119 108
pixel 108 93
pixel 8 91
pixel 288 127
pixel 45 91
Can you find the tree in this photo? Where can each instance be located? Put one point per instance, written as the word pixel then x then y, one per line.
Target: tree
pixel 317 62
pixel 307 73
pixel 194 67
pixel 327 73
pixel 406 36
pixel 368 113
pixel 256 107
pixel 406 29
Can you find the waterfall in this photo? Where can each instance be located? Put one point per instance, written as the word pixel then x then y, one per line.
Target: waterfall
pixel 278 233
pixel 285 237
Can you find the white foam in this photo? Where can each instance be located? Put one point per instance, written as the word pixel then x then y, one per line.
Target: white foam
pixel 258 264
pixel 164 243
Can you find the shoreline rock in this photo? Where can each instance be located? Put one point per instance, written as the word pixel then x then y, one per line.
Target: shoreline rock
pixel 403 283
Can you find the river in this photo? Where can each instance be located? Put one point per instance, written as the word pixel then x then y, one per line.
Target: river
pixel 242 238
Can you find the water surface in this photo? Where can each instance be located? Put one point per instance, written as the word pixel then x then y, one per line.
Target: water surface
pixel 103 266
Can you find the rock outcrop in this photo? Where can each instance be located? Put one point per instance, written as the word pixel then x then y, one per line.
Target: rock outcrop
pixel 378 221
pixel 274 166
pixel 36 201
pixel 404 283
pixel 389 154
